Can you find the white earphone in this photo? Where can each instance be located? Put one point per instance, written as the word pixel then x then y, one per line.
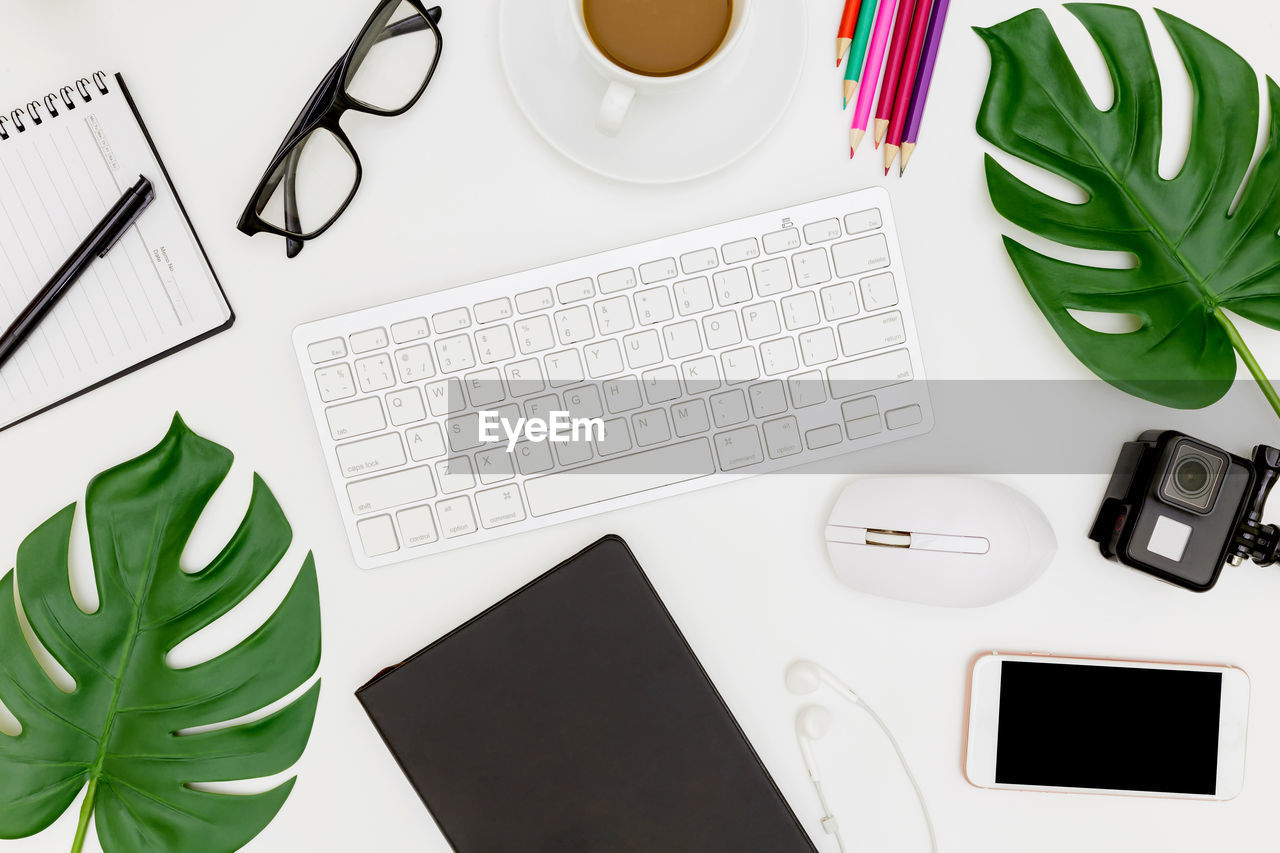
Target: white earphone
pixel 814 721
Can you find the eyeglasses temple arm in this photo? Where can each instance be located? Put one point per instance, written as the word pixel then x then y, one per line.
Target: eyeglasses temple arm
pixel 292 221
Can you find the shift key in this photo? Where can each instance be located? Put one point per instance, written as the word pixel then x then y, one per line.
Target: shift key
pixel 371 454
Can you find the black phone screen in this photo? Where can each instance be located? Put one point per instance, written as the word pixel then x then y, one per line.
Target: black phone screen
pixel 1110 727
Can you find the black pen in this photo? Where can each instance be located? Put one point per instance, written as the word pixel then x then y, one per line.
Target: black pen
pixel 100 241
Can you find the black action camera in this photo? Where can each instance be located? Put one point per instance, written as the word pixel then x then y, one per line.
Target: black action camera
pixel 1179 509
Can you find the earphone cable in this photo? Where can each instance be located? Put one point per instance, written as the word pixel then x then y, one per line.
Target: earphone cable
pixel 826 810
pixel 924 809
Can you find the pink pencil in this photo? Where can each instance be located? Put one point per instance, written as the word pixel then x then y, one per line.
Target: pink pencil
pixel 871 72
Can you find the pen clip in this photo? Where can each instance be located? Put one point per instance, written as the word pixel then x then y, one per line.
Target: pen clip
pixel 143 188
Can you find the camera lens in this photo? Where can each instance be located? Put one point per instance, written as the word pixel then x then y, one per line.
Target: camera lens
pixel 1191 477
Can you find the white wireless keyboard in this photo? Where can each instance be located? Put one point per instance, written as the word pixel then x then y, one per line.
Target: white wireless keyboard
pixel 762 343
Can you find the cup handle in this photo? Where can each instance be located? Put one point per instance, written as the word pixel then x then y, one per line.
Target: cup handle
pixel 614 108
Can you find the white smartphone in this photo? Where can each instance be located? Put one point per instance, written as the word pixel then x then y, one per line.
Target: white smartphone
pixel 1083 725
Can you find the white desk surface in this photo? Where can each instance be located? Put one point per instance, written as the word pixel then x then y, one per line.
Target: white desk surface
pixel 462 189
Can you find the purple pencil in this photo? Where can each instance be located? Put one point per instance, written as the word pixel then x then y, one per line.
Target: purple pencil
pixel 915 112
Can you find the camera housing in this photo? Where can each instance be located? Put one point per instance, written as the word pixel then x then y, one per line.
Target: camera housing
pixel 1180 508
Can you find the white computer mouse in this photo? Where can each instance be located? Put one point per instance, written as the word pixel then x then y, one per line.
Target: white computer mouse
pixel 947 541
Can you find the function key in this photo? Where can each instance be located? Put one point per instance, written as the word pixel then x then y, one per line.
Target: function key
pixel 326 350
pixel 863 220
pixel 451 321
pixel 660 270
pixel 576 290
pixel 781 241
pixel 409 330
pixel 820 232
pixel 534 300
pixel 493 310
pixel 694 262
pixel 612 282
pixel 740 250
pixel 370 339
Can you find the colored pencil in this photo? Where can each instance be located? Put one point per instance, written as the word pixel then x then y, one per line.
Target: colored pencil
pixel 906 85
pixel 844 36
pixel 871 72
pixel 893 67
pixel 858 51
pixel 919 97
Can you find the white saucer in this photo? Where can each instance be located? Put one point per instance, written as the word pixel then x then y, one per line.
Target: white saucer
pixel 676 136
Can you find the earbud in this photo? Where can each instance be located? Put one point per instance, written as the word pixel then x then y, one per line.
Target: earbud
pixel 812 723
pixel 804 676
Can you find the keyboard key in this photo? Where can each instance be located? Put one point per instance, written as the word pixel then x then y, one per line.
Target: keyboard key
pixel 445 396
pixel 456 517
pixel 622 395
pixel 856 256
pixel 659 270
pixel 524 377
pixel 690 418
pixel 781 241
pixel 772 276
pixel 879 291
pixel 603 358
pixel 532 301
pixel 811 267
pixel 493 311
pixel 356 418
pixel 768 398
pixel 494 344
pixel 620 476
pixel 617 438
pixel 409 330
pixel 739 448
pixel 335 383
pixel 732 286
pixel 728 408
pixel 484 387
pixel 839 301
pixel 494 466
pixel 377 535
pixel 584 402
pixel 642 349
pixel 693 296
pixel 868 374
pixel 740 365
pixel 761 320
pixel 807 389
pixel 370 339
pixel 455 353
pixel 903 417
pixel 425 442
pixel 534 335
pixel 612 282
pixel 823 436
pixel 882 330
pixel 375 372
pixel 721 330
pixel 573 452
pixel 650 427
pixel 861 417
pixel 695 262
pixel 574 325
pixel 402 487
pixel 682 339
pixel 700 375
pixel 451 321
pixel 417 526
pixel 455 475
pixel 614 315
pixel 864 220
pixel 542 407
pixel 370 454
pixel 326 350
pixel 800 310
pixel 740 251
pixel 820 232
pixel 533 457
pixel 563 368
pixel 778 356
pixel 463 432
pixel 405 406
pixel 576 290
pixel 661 384
pixel 782 437
pixel 414 363
pixel 500 506
pixel 653 306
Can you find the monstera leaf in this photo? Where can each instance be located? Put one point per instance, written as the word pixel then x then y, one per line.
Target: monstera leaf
pixel 1198 257
pixel 121 732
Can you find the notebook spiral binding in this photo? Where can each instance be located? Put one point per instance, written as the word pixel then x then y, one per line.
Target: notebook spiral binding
pixel 36 112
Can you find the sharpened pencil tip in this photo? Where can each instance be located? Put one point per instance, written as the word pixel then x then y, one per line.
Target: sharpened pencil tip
pixel 850 153
pixel 846 103
pixel 886 171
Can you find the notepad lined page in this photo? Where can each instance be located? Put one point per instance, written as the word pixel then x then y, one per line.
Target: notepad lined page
pixel 153 292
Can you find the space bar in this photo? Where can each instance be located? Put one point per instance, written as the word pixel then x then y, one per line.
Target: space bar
pixel 615 478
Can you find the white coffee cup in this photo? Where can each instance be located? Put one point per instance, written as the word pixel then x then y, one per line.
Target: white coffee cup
pixel 624 85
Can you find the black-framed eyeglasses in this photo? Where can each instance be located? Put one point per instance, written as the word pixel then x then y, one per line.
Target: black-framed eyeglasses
pixel 316 172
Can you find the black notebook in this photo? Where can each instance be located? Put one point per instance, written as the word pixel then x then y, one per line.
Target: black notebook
pixel 573 717
pixel 66 156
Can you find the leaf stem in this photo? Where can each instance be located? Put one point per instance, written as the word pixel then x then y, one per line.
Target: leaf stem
pixel 1237 342
pixel 86 812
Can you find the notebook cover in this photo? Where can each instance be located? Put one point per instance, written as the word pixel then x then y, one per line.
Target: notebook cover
pixel 231 314
pixel 572 716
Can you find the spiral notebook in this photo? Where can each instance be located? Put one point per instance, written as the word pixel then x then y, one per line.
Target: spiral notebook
pixel 65 158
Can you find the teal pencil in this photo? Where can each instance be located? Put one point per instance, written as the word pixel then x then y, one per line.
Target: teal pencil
pixel 858 51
